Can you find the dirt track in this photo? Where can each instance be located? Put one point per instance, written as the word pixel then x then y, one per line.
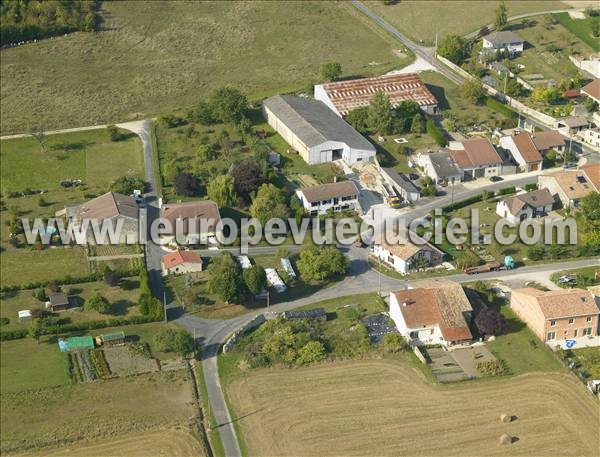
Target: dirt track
pixel 383 408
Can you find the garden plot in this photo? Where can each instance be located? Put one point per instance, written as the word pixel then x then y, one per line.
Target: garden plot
pixel 125 361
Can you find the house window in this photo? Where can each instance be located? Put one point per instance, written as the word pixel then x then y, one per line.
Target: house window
pixel 571 321
pixel 552 323
pixel 575 333
pixel 588 319
pixel 414 334
pixel 551 336
pixel 587 331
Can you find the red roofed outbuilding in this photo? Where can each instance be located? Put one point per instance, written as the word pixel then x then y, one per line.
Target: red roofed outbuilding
pixel 180 262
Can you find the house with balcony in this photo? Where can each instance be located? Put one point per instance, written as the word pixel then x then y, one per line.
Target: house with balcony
pixel 336 196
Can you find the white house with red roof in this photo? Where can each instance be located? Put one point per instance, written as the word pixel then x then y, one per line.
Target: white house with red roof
pixel 181 262
pixel 436 311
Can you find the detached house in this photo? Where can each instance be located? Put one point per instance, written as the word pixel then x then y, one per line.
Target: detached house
pixel 549 139
pixel 440 167
pixel 504 40
pixel 477 158
pixel 557 314
pixel 525 206
pixel 180 262
pixel 592 90
pixel 337 196
pixel 568 186
pixel 190 222
pixel 434 312
pixel 111 208
pixel 406 256
pixel 523 149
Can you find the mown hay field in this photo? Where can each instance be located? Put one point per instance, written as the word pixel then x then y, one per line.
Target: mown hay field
pixel 162 443
pixel 421 20
pixel 154 57
pixel 62 416
pixel 381 407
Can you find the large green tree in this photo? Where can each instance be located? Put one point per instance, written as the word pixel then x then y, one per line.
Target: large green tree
pixel 501 18
pixel 255 279
pixel 380 117
pixel 321 263
pixel 473 91
pixel 269 203
pixel 228 105
pixel 174 340
pixel 331 71
pixel 97 303
pixel 359 119
pixel 221 190
pixel 225 278
pixel 454 48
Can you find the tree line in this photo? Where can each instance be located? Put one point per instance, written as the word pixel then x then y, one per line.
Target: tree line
pixel 34 20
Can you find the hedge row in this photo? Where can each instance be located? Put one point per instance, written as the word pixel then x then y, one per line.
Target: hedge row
pixel 97 276
pixel 81 326
pixel 435 133
pixel 461 204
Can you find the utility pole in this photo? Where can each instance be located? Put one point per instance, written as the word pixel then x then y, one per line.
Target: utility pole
pixel 268 301
pixel 379 270
pixel 165 304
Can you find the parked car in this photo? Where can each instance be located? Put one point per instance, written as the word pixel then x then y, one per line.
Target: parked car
pixel 496 178
pixel 569 165
pixel 394 202
pixel 413 176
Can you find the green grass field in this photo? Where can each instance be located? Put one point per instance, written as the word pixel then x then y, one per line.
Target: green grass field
pixel 27 365
pixel 89 156
pixel 581 28
pixel 122 299
pixel 421 21
pixel 24 265
pixel 154 57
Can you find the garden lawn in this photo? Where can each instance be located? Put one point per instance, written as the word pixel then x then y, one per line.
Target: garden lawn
pixel 520 350
pixel 155 57
pixel 122 299
pixel 27 365
pixel 421 20
pixel 588 274
pixel 590 361
pixel 24 265
pixel 581 28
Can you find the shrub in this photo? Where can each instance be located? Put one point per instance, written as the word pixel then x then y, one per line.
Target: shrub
pixel 394 343
pixel 311 352
pixel 435 133
pixel 13 335
pixel 490 368
pixel 4 321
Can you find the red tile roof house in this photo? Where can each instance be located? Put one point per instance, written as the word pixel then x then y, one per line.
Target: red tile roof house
pixel 198 221
pixel 345 96
pixel 434 312
pixel 592 90
pixel 557 315
pixel 549 139
pixel 476 157
pixel 523 149
pixel 180 262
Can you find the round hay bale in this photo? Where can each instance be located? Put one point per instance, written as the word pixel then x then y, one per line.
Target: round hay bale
pixel 504 440
pixel 505 418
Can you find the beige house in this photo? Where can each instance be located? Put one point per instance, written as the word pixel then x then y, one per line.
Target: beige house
pixel 336 196
pixel 190 222
pixel 476 157
pixel 558 314
pixel 180 262
pixel 111 208
pixel 406 256
pixel 523 149
pixel 568 186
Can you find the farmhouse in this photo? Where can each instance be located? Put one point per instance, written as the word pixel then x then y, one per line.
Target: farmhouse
pixel 525 206
pixel 345 96
pixel 592 90
pixel 110 208
pixel 549 139
pixel 399 185
pixel 503 41
pixel 557 314
pixel 180 262
pixel 523 149
pixel 193 222
pixel 434 312
pixel 406 256
pixel 568 186
pixel 572 124
pixel 476 157
pixel 315 131
pixel 58 301
pixel 440 166
pixel 337 196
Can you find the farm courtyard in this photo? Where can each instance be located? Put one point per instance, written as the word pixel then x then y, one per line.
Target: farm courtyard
pixel 334 409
